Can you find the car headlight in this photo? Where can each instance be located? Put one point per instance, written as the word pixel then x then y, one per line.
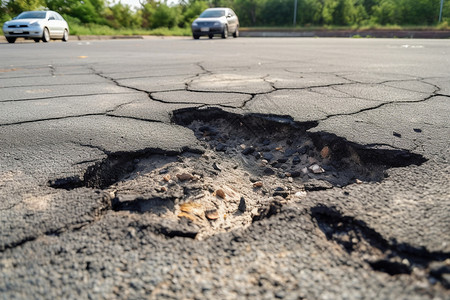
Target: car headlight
pixel 216 23
pixel 194 24
pixel 35 24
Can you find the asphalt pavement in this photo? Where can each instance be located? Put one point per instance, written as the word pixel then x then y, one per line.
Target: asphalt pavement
pixel 259 168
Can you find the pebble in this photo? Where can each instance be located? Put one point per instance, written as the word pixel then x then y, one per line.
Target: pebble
pixel 289 152
pixel 248 150
pixel 269 171
pixel 221 147
pixel 268 156
pixel 212 214
pixel 216 167
pixel 167 178
pixel 316 169
pixel 258 184
pixel 220 193
pixel 325 152
pixel 242 206
pixel 282 160
pixel 290 179
pixel 396 134
pixel 163 171
pixel 296 160
pixel 301 194
pixel 184 177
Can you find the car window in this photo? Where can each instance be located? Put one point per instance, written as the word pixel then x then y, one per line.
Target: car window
pixel 58 16
pixel 212 14
pixel 32 15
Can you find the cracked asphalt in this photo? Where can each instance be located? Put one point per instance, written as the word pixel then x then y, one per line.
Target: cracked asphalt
pixel 80 121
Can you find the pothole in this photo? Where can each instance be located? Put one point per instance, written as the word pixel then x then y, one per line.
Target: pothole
pixel 251 166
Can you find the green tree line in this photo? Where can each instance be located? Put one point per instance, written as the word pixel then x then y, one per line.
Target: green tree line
pixel 153 14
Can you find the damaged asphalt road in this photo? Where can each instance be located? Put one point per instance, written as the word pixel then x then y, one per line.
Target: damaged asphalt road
pixel 243 168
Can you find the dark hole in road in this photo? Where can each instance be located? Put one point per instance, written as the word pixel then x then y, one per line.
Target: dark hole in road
pixel 357 238
pixel 256 163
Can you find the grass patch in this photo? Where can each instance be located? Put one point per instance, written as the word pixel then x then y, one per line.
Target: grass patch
pixel 95 29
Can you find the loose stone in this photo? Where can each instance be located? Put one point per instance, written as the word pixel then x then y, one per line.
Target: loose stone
pixel 184 177
pixel 221 147
pixel 325 152
pixel 212 214
pixel 242 206
pixel 216 167
pixel 258 184
pixel 220 193
pixel 248 150
pixel 269 171
pixel 316 169
pixel 300 194
pixel 166 178
pixel 296 160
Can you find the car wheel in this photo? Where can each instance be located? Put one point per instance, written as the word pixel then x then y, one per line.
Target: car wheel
pixel 46 36
pixel 37 40
pixel 65 37
pixel 196 37
pixel 11 40
pixel 236 33
pixel 210 36
pixel 225 32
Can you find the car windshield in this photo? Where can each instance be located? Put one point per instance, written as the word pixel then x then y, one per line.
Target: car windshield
pixel 213 14
pixel 32 15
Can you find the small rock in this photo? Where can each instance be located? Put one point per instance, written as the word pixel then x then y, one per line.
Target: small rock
pixel 317 185
pixel 279 189
pixel 358 181
pixel 254 179
pixel 282 160
pixel 221 147
pixel 258 184
pixel 216 167
pixel 163 171
pixel 316 169
pixel 212 214
pixel 295 174
pixel 290 179
pixel 268 156
pixel 242 206
pixel 303 150
pixel 184 177
pixel 296 160
pixel 248 150
pixel 289 152
pixel 166 178
pixel 279 148
pixel 396 134
pixel 325 152
pixel 266 142
pixel 305 170
pixel 269 171
pixel 301 194
pixel 220 193
pixel 418 130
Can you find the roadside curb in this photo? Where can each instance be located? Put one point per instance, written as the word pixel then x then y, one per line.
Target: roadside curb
pixel 380 33
pixel 245 32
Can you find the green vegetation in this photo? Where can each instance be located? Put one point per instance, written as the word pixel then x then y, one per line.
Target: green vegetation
pixel 100 17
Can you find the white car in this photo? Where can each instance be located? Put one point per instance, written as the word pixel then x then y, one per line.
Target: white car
pixel 216 21
pixel 37 25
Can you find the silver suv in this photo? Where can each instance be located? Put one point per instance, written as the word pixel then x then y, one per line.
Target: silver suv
pixel 213 21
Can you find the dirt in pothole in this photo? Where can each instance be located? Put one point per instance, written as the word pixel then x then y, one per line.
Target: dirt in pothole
pixel 250 168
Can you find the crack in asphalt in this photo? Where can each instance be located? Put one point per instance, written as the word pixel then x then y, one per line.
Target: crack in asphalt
pixel 63 96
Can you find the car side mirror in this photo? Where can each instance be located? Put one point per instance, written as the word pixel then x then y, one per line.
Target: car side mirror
pixel 229 16
pixel 51 18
